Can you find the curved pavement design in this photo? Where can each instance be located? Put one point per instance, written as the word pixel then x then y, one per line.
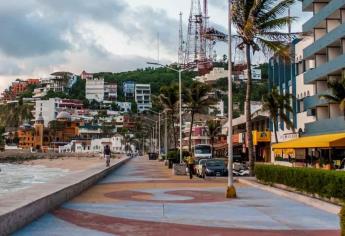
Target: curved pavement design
pixel 143 198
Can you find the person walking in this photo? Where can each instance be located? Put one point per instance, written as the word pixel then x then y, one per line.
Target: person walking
pixel 190 160
pixel 107 155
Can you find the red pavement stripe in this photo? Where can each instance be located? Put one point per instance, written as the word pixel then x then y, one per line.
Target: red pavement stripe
pixel 120 226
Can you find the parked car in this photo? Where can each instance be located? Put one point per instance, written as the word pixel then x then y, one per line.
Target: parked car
pixel 212 167
pixel 198 167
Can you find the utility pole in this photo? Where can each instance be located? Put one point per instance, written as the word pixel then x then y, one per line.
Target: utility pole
pixel 231 191
pixel 166 135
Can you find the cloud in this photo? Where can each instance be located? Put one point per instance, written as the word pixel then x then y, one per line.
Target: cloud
pixel 221 4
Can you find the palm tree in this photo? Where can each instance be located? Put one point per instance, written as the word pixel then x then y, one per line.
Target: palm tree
pixel 213 129
pixel 197 98
pixel 338 91
pixel 258 23
pixel 169 98
pixel 278 106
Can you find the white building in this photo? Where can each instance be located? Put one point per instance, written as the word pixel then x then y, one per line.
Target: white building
pixel 95 90
pixel 125 106
pixel 143 97
pixel 48 109
pixel 256 74
pixel 217 108
pixel 110 91
pixel 303 91
pixel 213 76
pixel 115 143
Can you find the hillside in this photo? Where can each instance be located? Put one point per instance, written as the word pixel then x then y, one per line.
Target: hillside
pixel 156 77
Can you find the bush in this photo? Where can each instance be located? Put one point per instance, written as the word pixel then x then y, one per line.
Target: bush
pixel 342 220
pixel 328 184
pixel 174 156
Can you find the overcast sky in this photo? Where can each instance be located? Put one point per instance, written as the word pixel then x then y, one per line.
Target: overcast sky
pixel 39 37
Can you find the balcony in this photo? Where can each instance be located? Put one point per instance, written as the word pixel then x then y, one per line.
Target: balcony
pixel 307 5
pixel 314 101
pixel 324 70
pixel 329 39
pixel 322 15
pixel 334 125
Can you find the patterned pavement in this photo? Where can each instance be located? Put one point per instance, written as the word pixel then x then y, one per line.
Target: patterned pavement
pixel 143 198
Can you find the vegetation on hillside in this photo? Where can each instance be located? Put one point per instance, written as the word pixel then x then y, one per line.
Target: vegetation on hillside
pixel 14 114
pixel 158 78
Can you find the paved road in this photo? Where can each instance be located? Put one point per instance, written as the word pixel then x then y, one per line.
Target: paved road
pixel 143 198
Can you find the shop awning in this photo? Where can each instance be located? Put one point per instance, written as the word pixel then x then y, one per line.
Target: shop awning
pixel 320 141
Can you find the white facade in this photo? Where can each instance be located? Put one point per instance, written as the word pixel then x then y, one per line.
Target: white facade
pixel 110 91
pixel 115 143
pixel 216 74
pixel 303 90
pixel 125 106
pixel 219 108
pixel 48 109
pixel 95 90
pixel 256 74
pixel 143 97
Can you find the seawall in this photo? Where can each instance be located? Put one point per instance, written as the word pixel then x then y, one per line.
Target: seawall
pixel 22 207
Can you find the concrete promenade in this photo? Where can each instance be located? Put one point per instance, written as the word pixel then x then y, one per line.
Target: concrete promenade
pixel 143 198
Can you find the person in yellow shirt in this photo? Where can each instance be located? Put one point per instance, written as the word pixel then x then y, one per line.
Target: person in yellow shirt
pixel 190 161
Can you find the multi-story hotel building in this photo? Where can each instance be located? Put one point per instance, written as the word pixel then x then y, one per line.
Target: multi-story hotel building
pixel 327 27
pixel 143 97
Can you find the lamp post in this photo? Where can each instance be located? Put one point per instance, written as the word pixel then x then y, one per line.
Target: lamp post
pixel 179 71
pixel 231 191
pixel 159 131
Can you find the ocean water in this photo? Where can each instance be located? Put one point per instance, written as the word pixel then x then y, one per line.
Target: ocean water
pixel 14 177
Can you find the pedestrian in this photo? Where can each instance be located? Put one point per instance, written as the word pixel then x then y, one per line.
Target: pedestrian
pixel 190 160
pixel 107 155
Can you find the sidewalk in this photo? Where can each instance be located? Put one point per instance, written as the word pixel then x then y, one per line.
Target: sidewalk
pixel 143 198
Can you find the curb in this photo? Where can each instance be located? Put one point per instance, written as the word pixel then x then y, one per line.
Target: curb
pixel 325 206
pixel 23 207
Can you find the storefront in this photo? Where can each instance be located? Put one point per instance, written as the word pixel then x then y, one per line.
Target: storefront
pixel 262 148
pixel 322 151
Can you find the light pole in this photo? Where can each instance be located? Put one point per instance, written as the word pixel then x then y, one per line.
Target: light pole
pixel 155 132
pixel 179 71
pixel 159 131
pixel 231 191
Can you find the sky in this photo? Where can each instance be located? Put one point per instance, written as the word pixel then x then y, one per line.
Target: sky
pixel 39 37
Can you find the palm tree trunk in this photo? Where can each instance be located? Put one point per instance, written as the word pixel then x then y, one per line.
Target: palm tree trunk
pixel 190 132
pixel 174 129
pixel 248 113
pixel 212 144
pixel 275 124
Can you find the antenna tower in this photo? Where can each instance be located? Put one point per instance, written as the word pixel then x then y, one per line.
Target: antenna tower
pixel 181 43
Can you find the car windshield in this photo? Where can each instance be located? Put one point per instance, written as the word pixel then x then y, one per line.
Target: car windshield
pixel 203 150
pixel 202 162
pixel 215 163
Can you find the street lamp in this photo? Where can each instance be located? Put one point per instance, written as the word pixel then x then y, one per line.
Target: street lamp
pixel 231 191
pixel 159 131
pixel 179 71
pixel 154 130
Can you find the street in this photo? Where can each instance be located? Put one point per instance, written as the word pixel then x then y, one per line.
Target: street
pixel 144 198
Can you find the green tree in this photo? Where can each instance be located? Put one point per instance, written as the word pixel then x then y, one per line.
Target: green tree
pixel 78 90
pixel 197 98
pixel 338 93
pixel 258 23
pixel 134 107
pixel 169 99
pixel 278 106
pixel 213 129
